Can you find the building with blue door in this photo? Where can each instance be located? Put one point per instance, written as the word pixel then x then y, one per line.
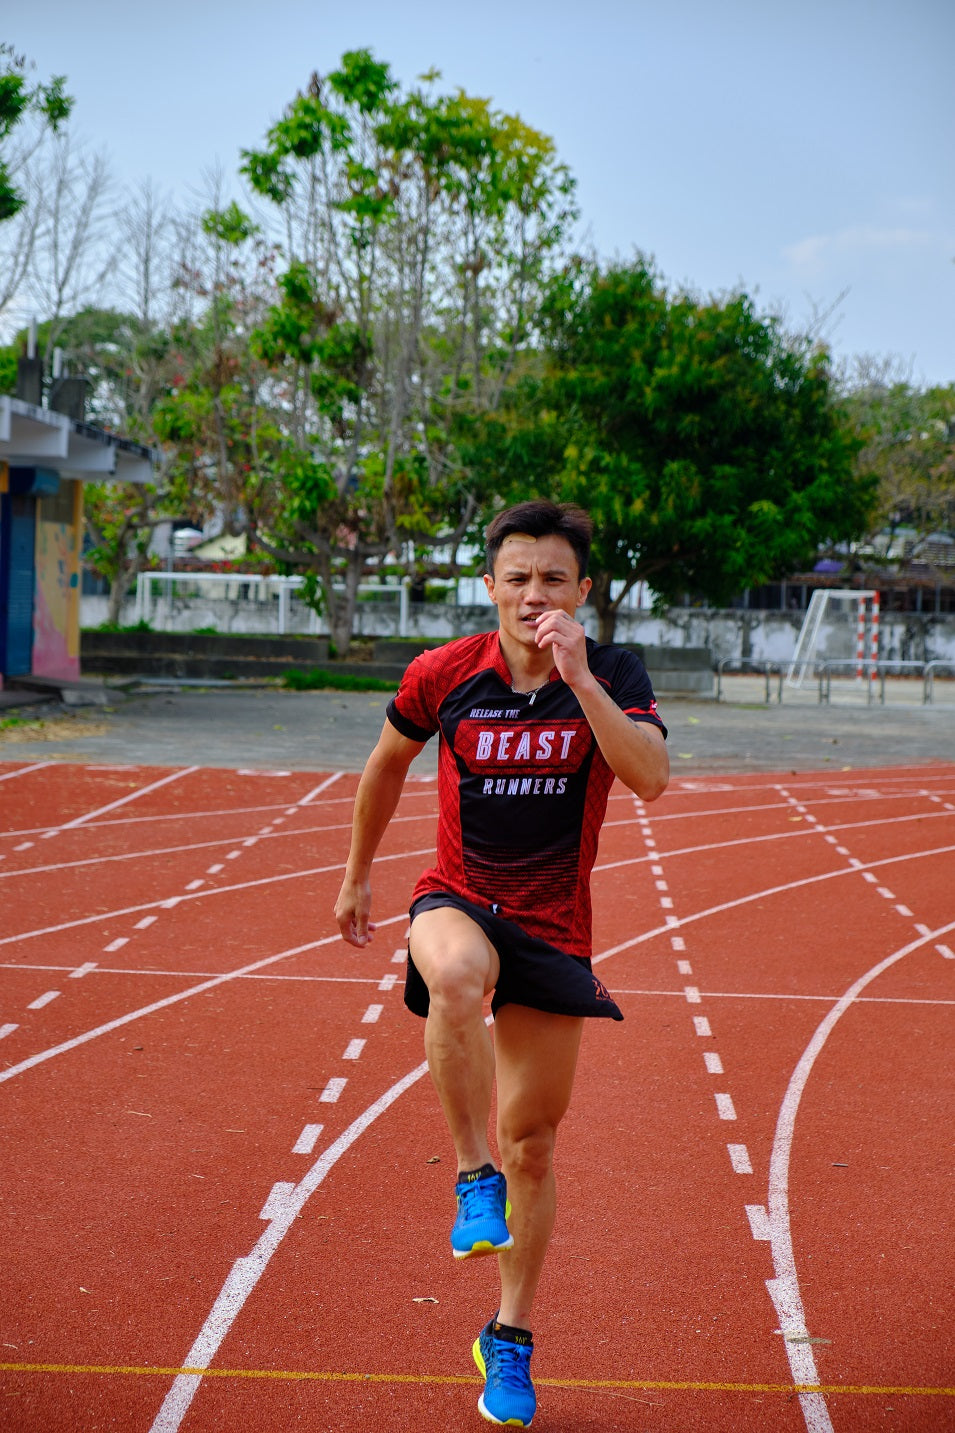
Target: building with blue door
pixel 45 458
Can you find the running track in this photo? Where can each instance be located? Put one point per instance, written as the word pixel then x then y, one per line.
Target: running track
pixel 225 1185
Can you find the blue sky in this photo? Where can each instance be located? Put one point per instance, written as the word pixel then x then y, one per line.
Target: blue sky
pixel 802 151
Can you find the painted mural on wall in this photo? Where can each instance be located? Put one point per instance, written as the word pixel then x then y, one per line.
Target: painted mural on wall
pixel 56 604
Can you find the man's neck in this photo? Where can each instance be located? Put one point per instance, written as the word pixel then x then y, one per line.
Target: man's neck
pixel 529 670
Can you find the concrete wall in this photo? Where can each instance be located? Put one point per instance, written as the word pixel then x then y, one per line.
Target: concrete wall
pixel 736 636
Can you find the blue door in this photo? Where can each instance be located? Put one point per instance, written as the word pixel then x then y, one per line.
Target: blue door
pixel 17 580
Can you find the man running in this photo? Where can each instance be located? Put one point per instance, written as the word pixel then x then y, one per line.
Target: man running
pixel 535 721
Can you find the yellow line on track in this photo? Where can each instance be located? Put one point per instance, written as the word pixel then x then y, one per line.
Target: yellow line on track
pixel 313 1376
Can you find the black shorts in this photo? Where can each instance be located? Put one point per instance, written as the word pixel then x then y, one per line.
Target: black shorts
pixel 533 972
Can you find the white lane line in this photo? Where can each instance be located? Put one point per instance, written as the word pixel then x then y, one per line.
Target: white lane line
pixel 82 970
pixel 725 1107
pixel 310 796
pixel 43 1055
pixel 123 800
pixel 372 1015
pixel 739 1158
pixel 42 1000
pixel 784 1288
pixel 354 1049
pixel 246 1272
pixel 713 1062
pixel 208 894
pixel 747 900
pixel 6 1030
pixel 701 1025
pixel 277 1202
pixel 307 1140
pixel 22 771
pixel 332 1091
pixel 759 1223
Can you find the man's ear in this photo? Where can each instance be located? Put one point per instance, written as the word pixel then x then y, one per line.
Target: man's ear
pixel 583 589
pixel 489 584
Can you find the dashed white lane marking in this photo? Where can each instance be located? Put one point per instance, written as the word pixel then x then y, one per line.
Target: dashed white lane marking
pixel 214 870
pixel 332 1091
pixel 692 995
pixel 677 942
pixel 146 922
pixel 6 1030
pixel 83 969
pixel 43 1000
pixel 758 1221
pixel 886 893
pixel 246 1272
pixel 946 951
pixel 713 1062
pixel 353 1050
pixel 684 967
pixel 701 1025
pixel 24 846
pixel 399 957
pixel 307 1140
pixel 43 1055
pixel 739 1158
pixel 388 982
pixel 195 885
pixel 904 911
pixel 725 1107
pixel 117 944
pixel 372 1015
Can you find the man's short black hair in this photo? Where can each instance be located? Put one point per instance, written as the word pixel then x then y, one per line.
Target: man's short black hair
pixel 541 518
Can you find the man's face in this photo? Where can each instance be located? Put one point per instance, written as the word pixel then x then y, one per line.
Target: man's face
pixel 533 576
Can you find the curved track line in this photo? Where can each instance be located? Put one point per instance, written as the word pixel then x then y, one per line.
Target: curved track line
pixel 246 1272
pixel 784 1288
pixel 680 921
pixel 43 1055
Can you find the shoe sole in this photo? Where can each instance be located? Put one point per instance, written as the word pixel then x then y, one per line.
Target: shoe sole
pixel 483 1246
pixel 482 1368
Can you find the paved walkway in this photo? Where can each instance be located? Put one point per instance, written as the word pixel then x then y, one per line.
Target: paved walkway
pixel 334 731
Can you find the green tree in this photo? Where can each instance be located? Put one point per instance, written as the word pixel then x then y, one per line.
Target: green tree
pixel 706 443
pixel 907 446
pixel 48 104
pixel 418 230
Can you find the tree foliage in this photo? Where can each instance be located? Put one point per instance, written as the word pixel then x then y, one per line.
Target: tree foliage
pixel 20 101
pixel 907 446
pixel 418 230
pixel 706 443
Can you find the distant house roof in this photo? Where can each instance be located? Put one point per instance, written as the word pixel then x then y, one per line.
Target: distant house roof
pixel 32 437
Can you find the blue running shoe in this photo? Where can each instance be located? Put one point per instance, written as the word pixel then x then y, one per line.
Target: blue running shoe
pixel 481 1223
pixel 504 1358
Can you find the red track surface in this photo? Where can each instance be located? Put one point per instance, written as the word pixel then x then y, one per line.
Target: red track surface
pixel 222 1153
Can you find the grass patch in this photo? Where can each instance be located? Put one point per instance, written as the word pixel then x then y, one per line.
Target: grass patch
pixel 316 679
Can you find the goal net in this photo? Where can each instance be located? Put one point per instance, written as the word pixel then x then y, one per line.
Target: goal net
pixel 841 625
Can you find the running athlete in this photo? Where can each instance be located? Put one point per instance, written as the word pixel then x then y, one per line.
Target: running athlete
pixel 535 721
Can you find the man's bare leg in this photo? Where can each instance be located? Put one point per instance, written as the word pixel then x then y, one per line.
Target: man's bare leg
pixel 536 1059
pixel 459 966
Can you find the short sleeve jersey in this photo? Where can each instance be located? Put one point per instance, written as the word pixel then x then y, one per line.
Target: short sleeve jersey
pixel 522 783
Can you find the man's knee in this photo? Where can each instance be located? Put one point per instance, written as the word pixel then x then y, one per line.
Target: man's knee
pixel 527 1150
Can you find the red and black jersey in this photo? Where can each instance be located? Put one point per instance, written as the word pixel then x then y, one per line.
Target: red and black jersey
pixel 522 784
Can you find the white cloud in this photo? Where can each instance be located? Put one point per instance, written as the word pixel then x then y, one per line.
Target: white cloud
pixel 810 256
